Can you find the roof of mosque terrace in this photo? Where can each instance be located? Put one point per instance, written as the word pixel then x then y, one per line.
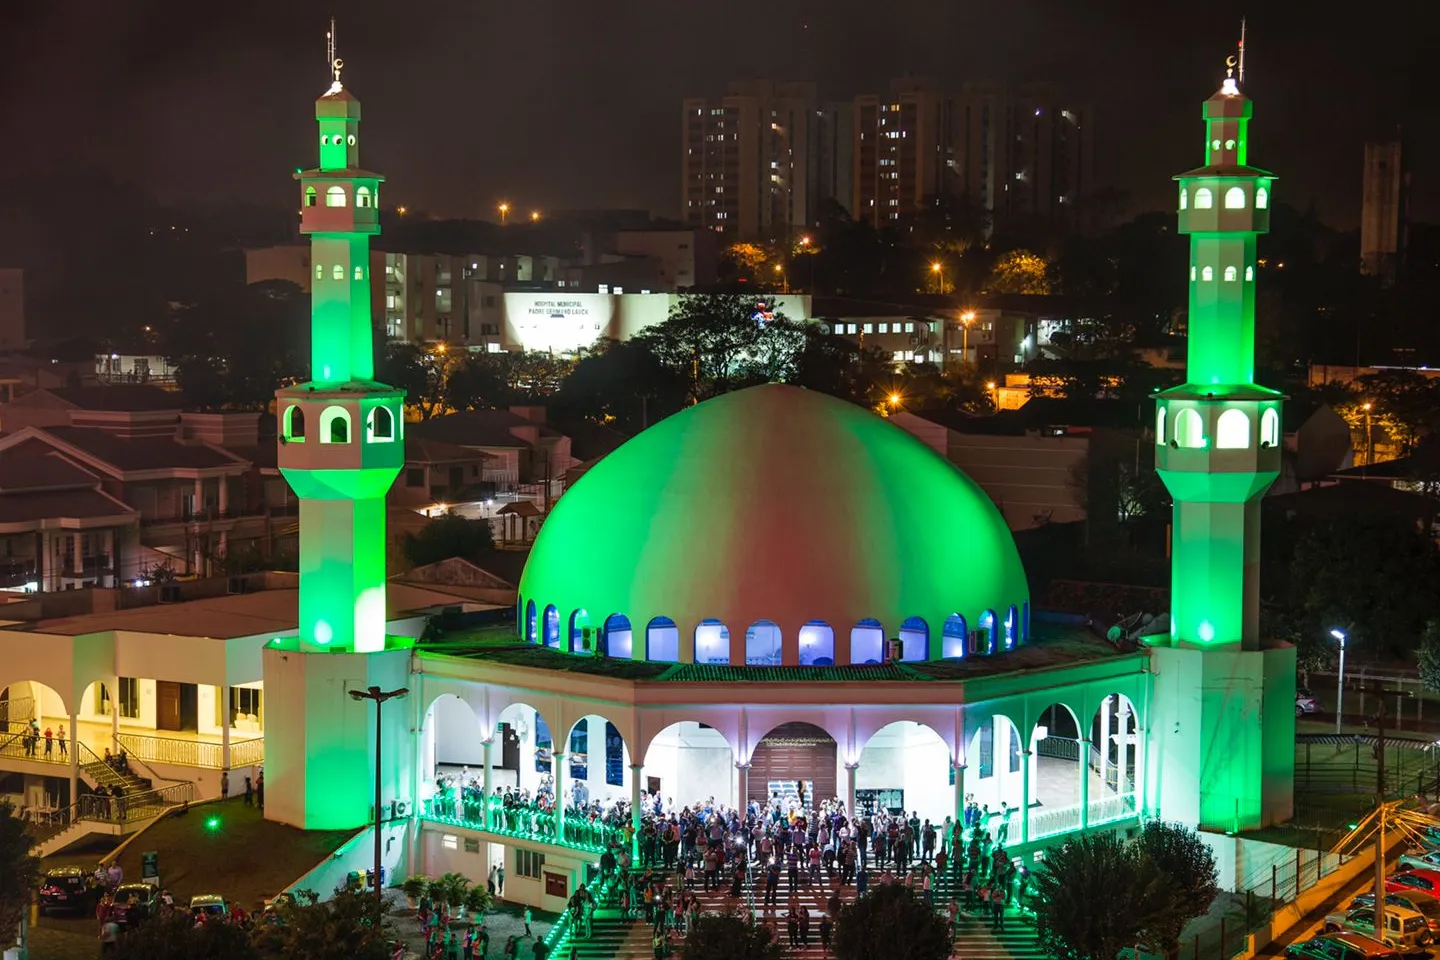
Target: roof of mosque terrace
pixel 1054 646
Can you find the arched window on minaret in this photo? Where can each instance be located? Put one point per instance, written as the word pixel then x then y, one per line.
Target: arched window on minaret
pixel 1249 273
pixel 335 425
pixel 1262 198
pixel 320 271
pixel 1235 198
pixel 1207 274
pixel 1184 198
pixel 1204 199
pixel 381 425
pixel 1270 428
pixel 1232 430
pixel 1189 429
pixel 339 271
pixel 1160 425
pixel 294 426
pixel 335 197
pixel 309 196
pixel 362 196
pixel 1231 274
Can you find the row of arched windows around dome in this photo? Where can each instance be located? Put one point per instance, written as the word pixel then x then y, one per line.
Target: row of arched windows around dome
pixel 335 196
pixel 1235 198
pixel 764 640
pixel 335 425
pixel 337 272
pixel 1230 274
pixel 1232 429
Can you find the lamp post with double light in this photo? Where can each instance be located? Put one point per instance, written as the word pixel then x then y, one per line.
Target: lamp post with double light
pixel 379 697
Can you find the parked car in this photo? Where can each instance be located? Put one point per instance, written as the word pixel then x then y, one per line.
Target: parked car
pixel 1425 904
pixel 1420 860
pixel 1341 946
pixel 1427 880
pixel 69 889
pixel 210 906
pixel 132 903
pixel 1305 703
pixel 1405 930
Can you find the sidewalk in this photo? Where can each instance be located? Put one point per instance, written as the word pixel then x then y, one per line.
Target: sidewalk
pixel 504 921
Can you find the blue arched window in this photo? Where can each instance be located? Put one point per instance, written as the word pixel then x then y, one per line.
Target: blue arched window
pixel 581 638
pixel 867 642
pixel 914 639
pixel 954 637
pixel 530 621
pixel 1012 628
pixel 817 644
pixel 712 642
pixel 985 635
pixel 552 627
pixel 662 640
pixel 618 637
pixel 762 644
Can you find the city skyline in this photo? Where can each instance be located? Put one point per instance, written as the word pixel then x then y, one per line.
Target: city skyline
pixel 575 118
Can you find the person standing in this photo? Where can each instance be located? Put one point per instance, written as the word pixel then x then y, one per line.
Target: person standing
pixel 500 879
pixel 224 777
pixel 249 792
pixel 260 790
pixel 527 921
pixel 49 742
pixel 825 928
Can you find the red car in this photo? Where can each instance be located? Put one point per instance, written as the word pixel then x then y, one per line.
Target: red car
pixel 1426 880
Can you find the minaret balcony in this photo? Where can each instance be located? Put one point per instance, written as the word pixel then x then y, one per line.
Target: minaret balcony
pixel 1220 449
pixel 340 442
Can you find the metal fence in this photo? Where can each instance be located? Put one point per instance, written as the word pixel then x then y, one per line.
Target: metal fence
pixel 192 753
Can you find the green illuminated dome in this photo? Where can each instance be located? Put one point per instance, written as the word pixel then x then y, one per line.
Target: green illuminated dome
pixel 763 526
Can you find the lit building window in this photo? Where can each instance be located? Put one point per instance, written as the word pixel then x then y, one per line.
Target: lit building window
pixel 362 197
pixel 1192 273
pixel 350 139
pixel 309 196
pixel 1207 274
pixel 335 197
pixel 1160 425
pixel 1262 198
pixel 359 273
pixel 1270 428
pixel 1204 200
pixel 1189 429
pixel 1249 273
pixel 1235 198
pixel 1184 198
pixel 1230 274
pixel 335 425
pixel 319 272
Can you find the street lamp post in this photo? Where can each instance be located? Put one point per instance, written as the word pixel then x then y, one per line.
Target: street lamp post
pixel 966 318
pixel 1339 635
pixel 938 269
pixel 379 697
pixel 504 212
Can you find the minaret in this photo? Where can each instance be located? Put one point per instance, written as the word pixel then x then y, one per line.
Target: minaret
pixel 341 433
pixel 1224 701
pixel 341 447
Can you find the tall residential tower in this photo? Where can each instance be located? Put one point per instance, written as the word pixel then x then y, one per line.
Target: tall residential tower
pixel 1224 699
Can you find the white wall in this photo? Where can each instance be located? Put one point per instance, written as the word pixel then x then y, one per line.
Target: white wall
pixel 913 758
pixel 692 763
pixel 358 854
pixel 457 733
pixel 438 858
pixel 595 772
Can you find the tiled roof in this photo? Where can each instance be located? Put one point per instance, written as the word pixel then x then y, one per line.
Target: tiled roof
pixel 61 505
pixel 143 453
pixel 725 673
pixel 120 398
pixel 35 465
pixel 478 428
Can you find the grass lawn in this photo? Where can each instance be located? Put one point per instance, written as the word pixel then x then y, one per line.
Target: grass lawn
pixel 244 858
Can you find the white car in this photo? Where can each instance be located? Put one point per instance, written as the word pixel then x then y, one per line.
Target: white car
pixel 1418 859
pixel 1405 930
pixel 1305 703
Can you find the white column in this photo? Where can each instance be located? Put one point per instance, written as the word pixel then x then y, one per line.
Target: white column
pixel 1025 797
pixel 558 769
pixel 225 721
pixel 77 550
pixel 485 775
pixel 742 787
pixel 1104 745
pixel 74 759
pixel 636 770
pixel 959 792
pixel 1140 777
pixel 223 498
pixel 199 496
pixel 114 714
pixel 1122 752
pixel 48 581
pixel 1085 783
pixel 851 770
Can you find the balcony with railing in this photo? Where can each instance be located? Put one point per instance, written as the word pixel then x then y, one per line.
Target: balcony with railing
pixel 521 822
pixel 185 752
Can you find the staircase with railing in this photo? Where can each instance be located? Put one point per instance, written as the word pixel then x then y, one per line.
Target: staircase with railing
pixel 116 815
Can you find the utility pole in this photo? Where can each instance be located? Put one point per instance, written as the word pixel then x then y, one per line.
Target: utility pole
pixel 1380 692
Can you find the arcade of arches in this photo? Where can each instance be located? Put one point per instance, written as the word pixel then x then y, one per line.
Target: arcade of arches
pixel 1072 774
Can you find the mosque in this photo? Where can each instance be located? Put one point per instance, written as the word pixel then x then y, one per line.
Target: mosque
pixel 776 592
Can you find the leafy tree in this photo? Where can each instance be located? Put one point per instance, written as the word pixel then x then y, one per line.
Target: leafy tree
pixel 891 922
pixel 232 350
pixel 1095 895
pixel 621 383
pixel 420 373
pixel 1019 271
pixel 175 936
pixel 730 936
pixel 449 536
pixel 1188 865
pixel 1375 572
pixel 341 928
pixel 840 367
pixel 18 869
pixel 1428 656
pixel 477 381
pixel 716 342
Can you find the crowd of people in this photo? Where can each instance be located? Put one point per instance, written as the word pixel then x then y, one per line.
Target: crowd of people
pixel 749 853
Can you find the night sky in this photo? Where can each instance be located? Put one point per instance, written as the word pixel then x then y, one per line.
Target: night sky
pixel 572 103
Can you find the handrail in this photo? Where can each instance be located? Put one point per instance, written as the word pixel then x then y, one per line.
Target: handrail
pixel 15 746
pixel 191 753
pixel 116 811
pixel 523 822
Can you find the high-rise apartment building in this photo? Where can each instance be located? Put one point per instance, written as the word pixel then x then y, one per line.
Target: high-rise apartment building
pixel 745 160
pixel 1382 212
pixel 900 143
